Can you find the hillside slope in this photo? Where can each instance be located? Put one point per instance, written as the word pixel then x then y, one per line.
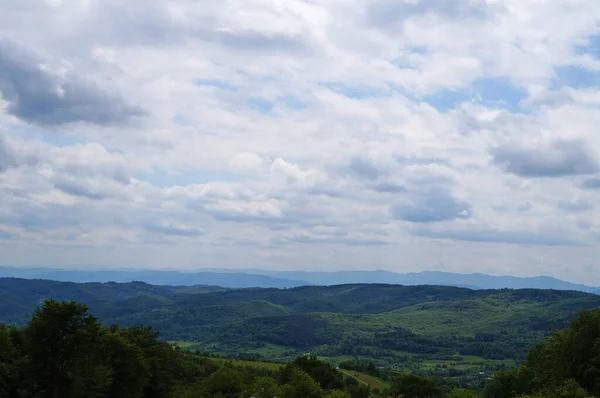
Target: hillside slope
pixel 391 324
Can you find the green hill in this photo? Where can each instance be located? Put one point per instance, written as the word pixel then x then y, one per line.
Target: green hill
pixel 394 326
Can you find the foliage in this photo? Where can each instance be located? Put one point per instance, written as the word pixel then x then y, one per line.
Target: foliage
pixel 416 386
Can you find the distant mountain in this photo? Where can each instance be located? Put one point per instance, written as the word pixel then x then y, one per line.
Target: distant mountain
pixel 471 281
pixel 241 278
pixel 171 278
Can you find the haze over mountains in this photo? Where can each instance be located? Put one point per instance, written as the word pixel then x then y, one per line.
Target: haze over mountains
pixel 241 278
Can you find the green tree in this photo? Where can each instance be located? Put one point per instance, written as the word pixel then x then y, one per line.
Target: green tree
pixel 323 373
pixel 226 382
pixel 569 389
pixel 571 353
pixel 62 343
pixel 415 386
pixel 462 393
pixel 336 394
pixel 131 373
pixel 301 385
pixel 159 357
pixel 7 364
pixel 264 387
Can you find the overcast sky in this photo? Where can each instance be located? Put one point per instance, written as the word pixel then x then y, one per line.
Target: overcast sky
pixel 449 135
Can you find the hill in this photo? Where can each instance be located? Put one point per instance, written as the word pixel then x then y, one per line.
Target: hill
pixel 236 278
pixel 401 326
pixel 172 278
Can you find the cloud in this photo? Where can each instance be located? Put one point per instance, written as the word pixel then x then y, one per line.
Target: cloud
pixel 492 235
pixel 575 206
pixel 385 12
pixel 38 95
pixel 300 134
pixel 11 157
pixel 591 183
pixel 7 156
pixel 364 169
pixel 174 230
pixel 429 207
pixel 559 159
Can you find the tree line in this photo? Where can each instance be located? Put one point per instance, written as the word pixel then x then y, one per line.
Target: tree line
pixel 65 352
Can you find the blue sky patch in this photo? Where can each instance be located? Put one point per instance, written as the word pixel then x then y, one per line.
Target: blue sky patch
pixel 260 104
pixel 162 178
pixel 356 91
pixel 576 77
pixel 292 102
pixel 55 138
pixel 493 92
pixel 592 47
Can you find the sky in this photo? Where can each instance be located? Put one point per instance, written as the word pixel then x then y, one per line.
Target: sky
pixel 404 135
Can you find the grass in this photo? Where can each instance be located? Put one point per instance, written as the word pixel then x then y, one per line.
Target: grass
pixel 251 364
pixel 188 345
pixel 364 378
pixel 271 351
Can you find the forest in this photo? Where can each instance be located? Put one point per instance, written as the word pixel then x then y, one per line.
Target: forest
pixel 65 352
pixel 434 330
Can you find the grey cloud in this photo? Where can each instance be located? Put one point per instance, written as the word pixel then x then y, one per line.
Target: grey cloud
pixel 364 169
pixel 7 155
pixel 40 97
pixel 6 235
pixel 79 188
pixel 11 158
pixel 483 235
pixel 389 187
pixel 41 217
pixel 173 230
pixel 256 41
pixel 114 171
pixel 414 160
pixel 575 207
pixel 591 183
pixel 434 206
pixel 343 240
pixel 561 158
pixel 386 12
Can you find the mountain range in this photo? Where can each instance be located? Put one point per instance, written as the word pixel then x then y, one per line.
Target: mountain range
pixel 236 278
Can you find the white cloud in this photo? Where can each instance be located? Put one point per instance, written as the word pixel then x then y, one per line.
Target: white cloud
pixel 348 134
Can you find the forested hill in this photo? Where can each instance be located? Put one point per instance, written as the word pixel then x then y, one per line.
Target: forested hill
pixel 388 323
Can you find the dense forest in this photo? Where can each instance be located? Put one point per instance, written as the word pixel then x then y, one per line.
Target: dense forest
pixel 435 330
pixel 65 352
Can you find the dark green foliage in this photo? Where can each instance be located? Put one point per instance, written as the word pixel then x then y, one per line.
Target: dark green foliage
pixel 63 345
pixel 323 373
pixel 64 352
pixel 565 364
pixel 415 386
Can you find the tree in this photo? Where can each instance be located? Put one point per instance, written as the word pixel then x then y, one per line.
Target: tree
pixel 415 386
pixel 131 372
pixel 62 342
pixel 337 394
pixel 301 385
pixel 159 357
pixel 226 382
pixel 569 389
pixel 7 364
pixel 572 353
pixel 264 387
pixel 326 375
pixel 462 393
